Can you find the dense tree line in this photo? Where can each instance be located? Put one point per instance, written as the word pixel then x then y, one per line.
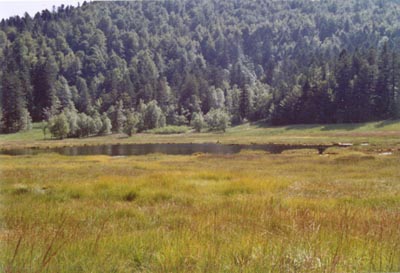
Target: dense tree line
pixel 133 66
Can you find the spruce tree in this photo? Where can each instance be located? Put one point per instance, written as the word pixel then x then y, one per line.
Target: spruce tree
pixel 394 104
pixel 84 103
pixel 245 102
pixel 382 92
pixel 343 90
pixel 44 79
pixel 15 116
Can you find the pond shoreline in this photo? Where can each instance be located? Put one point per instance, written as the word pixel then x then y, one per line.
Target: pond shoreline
pixel 167 148
pixel 377 137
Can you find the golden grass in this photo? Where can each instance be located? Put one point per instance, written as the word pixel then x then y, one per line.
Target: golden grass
pixel 250 212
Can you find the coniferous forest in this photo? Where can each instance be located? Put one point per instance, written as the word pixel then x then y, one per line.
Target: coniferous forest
pixel 134 66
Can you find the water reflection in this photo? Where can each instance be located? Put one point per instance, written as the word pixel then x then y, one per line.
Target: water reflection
pixel 171 149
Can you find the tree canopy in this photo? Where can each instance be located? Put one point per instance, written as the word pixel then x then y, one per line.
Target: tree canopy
pixel 163 61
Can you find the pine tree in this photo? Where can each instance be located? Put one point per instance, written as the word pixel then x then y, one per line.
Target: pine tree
pixel 362 91
pixel 394 106
pixel 44 79
pixel 15 116
pixel 63 92
pixel 84 103
pixel 343 90
pixel 162 94
pixel 382 92
pixel 189 95
pixel 20 54
pixel 371 79
pixel 245 102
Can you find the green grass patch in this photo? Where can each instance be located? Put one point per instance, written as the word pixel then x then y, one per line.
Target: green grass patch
pixel 168 130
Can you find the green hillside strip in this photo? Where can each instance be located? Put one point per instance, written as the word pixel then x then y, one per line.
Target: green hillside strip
pixel 134 66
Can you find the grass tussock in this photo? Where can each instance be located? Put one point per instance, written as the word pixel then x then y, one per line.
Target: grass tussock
pixel 250 212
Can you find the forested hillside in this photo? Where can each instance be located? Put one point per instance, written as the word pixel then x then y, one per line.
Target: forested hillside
pixel 145 64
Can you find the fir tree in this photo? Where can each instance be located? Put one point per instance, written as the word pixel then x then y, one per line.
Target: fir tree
pixel 44 78
pixel 382 92
pixel 245 102
pixel 15 116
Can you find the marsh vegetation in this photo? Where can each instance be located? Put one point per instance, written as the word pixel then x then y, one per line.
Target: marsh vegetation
pixel 249 212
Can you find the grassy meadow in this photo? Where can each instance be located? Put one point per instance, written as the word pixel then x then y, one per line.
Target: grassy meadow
pixel 249 212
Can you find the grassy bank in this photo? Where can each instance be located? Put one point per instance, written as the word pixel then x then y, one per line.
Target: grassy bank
pixel 250 212
pixel 381 134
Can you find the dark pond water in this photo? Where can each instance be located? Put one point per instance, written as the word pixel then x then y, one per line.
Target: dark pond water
pixel 171 149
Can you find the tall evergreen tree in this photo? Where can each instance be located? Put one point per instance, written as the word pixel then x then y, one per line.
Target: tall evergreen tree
pixel 15 116
pixel 84 102
pixel 362 87
pixel 245 102
pixel 343 88
pixel 394 105
pixel 19 53
pixel 383 92
pixel 44 78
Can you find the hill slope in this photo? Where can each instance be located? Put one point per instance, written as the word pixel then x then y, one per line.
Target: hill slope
pixel 284 61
